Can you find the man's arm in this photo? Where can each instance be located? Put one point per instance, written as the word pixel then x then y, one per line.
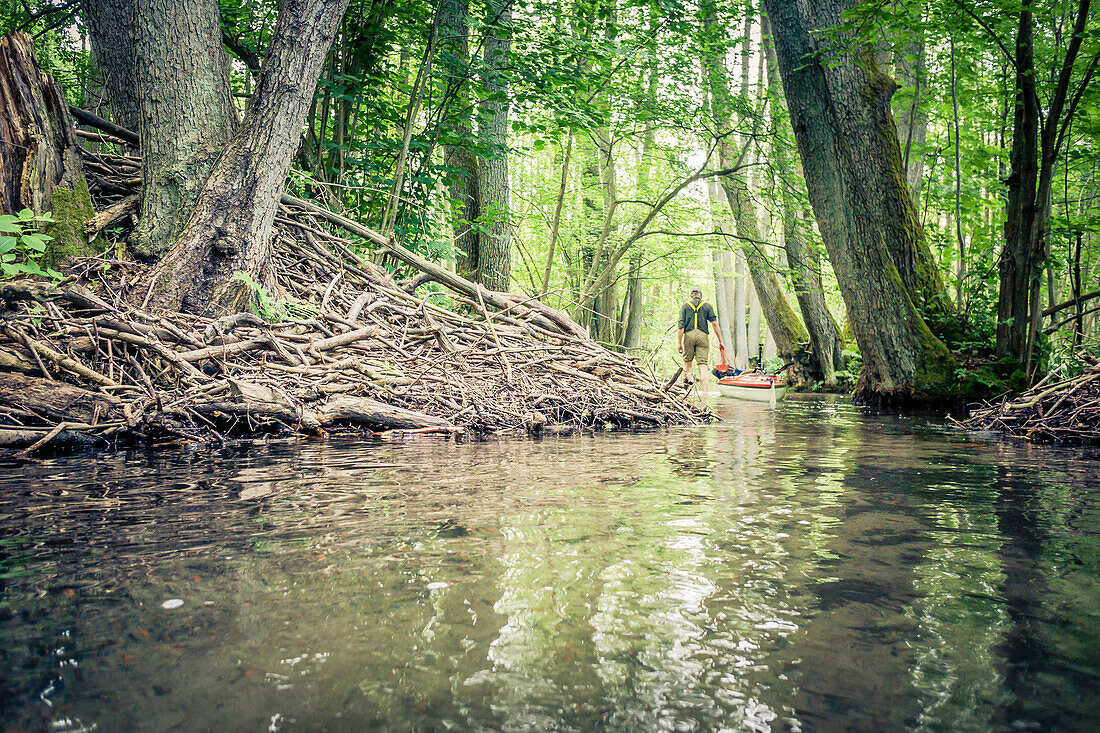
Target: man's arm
pixel 680 340
pixel 717 330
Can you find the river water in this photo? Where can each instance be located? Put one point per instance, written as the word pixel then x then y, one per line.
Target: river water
pixel 805 568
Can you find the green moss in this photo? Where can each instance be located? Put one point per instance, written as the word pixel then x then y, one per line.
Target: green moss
pixel 70 209
pixel 934 377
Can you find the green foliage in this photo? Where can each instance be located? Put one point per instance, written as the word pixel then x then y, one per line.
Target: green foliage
pixel 23 245
pixel 980 380
pixel 265 306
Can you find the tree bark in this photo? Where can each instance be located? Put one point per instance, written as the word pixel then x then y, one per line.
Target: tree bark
pixel 909 66
pixel 786 328
pixel 635 294
pixel 495 247
pixel 186 114
pixel 783 322
pixel 110 25
pixel 230 228
pixel 834 112
pixel 39 164
pixel 860 94
pixel 805 267
pixel 1036 143
pixel 740 306
pixel 803 262
pixel 462 179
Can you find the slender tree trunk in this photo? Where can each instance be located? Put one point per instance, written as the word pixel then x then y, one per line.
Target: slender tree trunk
pixel 110 25
pixel 754 323
pixel 835 113
pixel 803 262
pixel 786 328
pixel 729 276
pixel 961 264
pixel 458 156
pixel 230 229
pixel 1036 142
pixel 805 266
pixel 632 332
pixel 495 247
pixel 909 69
pixel 784 324
pixel 740 305
pixel 186 114
pixel 723 264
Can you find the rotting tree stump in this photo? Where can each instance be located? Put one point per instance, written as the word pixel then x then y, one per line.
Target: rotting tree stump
pixel 40 166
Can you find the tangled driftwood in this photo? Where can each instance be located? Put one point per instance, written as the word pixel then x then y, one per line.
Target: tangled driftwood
pixel 1065 411
pixel 343 343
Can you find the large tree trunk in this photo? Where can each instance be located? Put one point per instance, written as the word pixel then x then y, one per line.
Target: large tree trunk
pixel 803 262
pixel 495 248
pixel 186 114
pixel 860 95
pixel 231 226
pixel 458 156
pixel 902 359
pixel 39 164
pixel 110 25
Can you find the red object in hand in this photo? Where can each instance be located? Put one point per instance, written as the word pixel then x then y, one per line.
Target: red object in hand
pixel 723 366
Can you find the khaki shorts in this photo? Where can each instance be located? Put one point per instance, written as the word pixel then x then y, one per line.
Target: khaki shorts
pixel 696 346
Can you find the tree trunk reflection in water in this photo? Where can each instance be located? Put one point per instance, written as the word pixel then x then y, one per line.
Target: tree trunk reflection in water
pixel 1023 649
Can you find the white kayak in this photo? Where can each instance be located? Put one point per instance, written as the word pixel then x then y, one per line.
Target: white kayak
pixel 753 387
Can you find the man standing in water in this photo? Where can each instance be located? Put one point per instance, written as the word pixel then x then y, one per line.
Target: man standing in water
pixel 692 337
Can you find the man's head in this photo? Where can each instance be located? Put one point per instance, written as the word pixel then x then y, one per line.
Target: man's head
pixel 696 293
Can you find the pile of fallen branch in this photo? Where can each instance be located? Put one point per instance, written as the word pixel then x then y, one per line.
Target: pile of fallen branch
pixel 1065 411
pixel 341 344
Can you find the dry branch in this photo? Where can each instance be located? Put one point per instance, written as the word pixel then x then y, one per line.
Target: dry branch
pixel 1065 412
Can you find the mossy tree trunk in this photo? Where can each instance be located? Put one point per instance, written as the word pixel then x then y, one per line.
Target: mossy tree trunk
pixel 803 261
pixel 837 111
pixel 185 112
pixel 230 227
pixel 40 167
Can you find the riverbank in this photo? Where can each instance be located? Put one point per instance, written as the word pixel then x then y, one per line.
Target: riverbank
pixel 341 344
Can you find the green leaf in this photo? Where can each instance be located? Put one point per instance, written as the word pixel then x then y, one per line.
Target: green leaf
pixel 33 241
pixel 26 215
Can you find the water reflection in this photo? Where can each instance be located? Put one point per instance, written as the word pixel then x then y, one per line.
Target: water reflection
pixel 806 567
